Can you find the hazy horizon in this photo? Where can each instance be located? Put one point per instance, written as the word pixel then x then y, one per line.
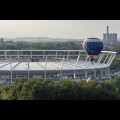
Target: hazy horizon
pixel 67 29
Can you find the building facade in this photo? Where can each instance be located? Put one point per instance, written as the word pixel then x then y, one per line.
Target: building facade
pixel 111 39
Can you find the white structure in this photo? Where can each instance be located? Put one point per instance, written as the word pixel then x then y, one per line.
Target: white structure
pixel 115 74
pixel 110 39
pixel 53 64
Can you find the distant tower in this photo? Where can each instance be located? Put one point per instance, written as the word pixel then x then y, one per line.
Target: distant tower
pixel 107 35
pixel 1 41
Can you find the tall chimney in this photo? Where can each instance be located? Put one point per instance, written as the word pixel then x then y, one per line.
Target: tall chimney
pixel 107 41
pixel 107 29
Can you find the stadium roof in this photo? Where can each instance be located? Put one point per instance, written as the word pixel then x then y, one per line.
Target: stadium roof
pixel 41 66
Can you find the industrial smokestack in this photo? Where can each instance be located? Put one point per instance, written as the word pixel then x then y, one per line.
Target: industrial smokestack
pixel 107 41
pixel 107 30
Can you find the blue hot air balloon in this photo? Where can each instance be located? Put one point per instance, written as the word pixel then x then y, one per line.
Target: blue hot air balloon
pixel 93 47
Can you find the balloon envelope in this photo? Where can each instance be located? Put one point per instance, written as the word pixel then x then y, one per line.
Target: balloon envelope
pixel 92 46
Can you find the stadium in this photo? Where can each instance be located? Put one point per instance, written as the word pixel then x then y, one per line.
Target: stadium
pixel 53 64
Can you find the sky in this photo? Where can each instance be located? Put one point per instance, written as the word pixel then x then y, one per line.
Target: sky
pixel 76 29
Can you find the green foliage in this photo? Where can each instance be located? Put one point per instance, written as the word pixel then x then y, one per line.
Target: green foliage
pixel 42 89
pixel 71 45
pixel 116 64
